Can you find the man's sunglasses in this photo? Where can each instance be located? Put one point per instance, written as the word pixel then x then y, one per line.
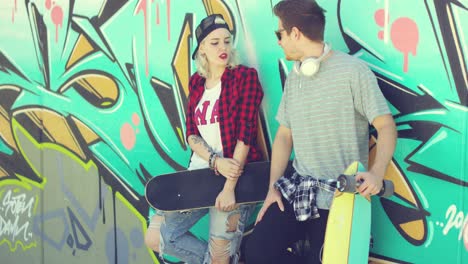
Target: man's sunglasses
pixel 278 33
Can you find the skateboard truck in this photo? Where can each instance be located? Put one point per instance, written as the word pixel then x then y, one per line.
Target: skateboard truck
pixel 348 183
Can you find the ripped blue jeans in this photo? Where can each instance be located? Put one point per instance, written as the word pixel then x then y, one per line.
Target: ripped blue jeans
pixel 177 241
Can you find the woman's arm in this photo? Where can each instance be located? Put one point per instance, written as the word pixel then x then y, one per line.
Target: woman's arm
pixel 199 146
pixel 240 155
pixel 251 97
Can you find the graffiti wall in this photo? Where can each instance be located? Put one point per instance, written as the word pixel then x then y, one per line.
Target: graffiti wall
pixel 92 98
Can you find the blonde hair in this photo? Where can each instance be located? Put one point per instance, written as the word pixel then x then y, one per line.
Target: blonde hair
pixel 201 63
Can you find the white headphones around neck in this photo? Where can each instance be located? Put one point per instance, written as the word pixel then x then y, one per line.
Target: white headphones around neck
pixel 310 66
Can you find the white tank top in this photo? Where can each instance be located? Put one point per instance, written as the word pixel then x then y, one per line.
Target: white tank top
pixel 206 116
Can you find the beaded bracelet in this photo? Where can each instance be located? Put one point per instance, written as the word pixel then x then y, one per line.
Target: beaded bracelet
pixel 210 160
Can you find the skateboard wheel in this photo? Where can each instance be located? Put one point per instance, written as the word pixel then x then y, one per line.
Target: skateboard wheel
pixel 387 189
pixel 346 183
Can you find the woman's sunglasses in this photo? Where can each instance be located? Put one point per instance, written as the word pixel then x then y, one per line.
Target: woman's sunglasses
pixel 278 33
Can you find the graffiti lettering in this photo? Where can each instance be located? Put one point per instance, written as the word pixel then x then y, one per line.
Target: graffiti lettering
pixel 456 220
pixel 17 205
pixel 12 222
pixel 13 229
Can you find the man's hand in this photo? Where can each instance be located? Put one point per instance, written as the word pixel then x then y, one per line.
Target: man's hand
pixel 273 196
pixel 371 185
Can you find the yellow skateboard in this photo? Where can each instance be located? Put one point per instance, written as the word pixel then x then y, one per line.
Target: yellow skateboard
pixel 347 237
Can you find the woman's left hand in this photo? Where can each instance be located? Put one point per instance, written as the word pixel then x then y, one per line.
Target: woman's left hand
pixel 226 200
pixel 229 168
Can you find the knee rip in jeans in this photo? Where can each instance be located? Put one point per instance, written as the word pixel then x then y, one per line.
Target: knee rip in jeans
pixel 219 249
pixel 159 220
pixel 220 246
pixel 153 234
pixel 233 222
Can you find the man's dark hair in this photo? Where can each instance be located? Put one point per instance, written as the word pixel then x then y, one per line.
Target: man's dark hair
pixel 305 15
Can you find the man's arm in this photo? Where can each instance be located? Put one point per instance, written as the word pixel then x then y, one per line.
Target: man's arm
pixel 282 148
pixel 386 142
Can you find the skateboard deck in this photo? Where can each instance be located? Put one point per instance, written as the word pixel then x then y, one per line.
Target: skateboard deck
pixel 347 236
pixel 196 189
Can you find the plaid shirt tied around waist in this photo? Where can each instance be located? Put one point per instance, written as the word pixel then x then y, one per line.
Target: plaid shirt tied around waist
pixel 301 192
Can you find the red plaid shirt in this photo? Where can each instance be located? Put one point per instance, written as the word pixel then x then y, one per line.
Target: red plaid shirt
pixel 239 104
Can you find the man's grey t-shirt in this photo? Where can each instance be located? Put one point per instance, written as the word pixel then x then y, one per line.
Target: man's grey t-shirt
pixel 329 115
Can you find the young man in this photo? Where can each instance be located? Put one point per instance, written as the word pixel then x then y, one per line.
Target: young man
pixel 329 100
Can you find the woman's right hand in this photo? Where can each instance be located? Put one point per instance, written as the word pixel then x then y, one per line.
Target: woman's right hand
pixel 273 196
pixel 229 168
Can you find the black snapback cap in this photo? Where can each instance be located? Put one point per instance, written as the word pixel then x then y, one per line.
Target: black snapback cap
pixel 206 26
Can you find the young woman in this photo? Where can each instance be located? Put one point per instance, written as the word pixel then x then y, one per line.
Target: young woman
pixel 221 121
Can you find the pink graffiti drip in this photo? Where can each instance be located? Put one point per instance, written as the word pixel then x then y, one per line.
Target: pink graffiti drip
pixel 135 119
pixel 57 19
pixel 405 37
pixel 13 11
pixel 48 4
pixel 381 34
pixel 168 12
pixel 379 18
pixel 142 7
pixel 127 136
pixel 157 13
